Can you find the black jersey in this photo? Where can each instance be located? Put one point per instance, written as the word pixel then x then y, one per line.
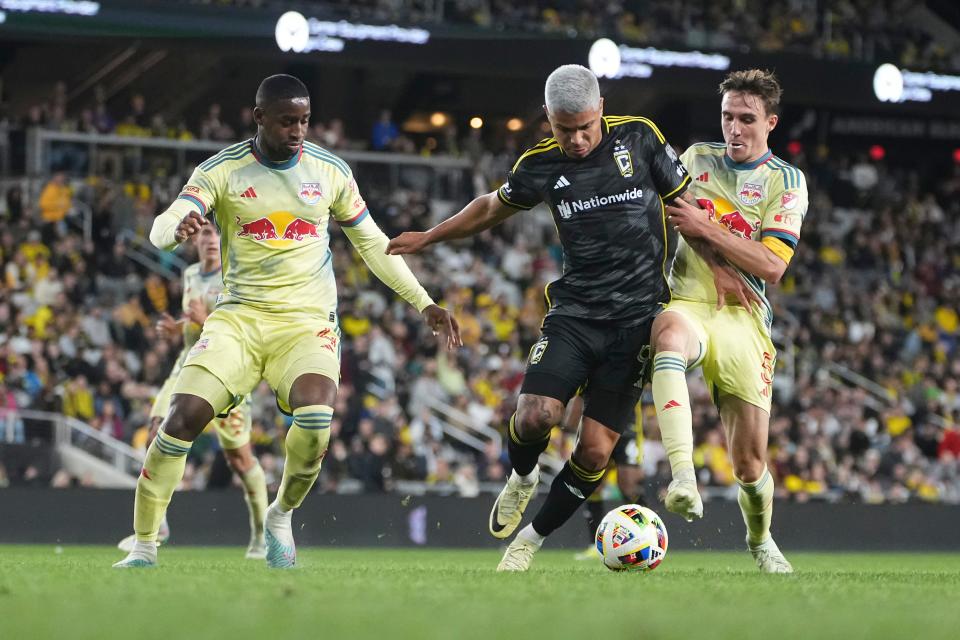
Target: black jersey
pixel 608 208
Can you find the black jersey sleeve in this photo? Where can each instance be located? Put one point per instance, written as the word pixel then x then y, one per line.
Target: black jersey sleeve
pixel 518 190
pixel 669 174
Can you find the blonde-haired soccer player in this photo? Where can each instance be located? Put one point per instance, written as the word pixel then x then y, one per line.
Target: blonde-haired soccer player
pixel 273 197
pixel 202 285
pixel 751 207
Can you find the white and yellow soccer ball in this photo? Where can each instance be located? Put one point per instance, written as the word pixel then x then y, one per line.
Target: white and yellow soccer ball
pixel 632 538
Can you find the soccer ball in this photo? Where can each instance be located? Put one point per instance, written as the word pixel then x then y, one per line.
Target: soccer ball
pixel 632 538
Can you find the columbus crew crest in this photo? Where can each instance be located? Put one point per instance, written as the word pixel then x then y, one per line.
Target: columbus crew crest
pixel 621 156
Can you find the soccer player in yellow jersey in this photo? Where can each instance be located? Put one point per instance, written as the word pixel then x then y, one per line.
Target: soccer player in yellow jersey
pixel 272 197
pixel 202 285
pixel 751 207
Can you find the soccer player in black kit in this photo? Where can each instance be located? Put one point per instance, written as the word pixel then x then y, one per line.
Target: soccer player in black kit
pixel 605 180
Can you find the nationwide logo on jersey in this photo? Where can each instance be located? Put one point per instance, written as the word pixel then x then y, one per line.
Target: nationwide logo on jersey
pixel 310 192
pixel 567 209
pixel 750 193
pixel 621 155
pixel 279 229
pixel 726 214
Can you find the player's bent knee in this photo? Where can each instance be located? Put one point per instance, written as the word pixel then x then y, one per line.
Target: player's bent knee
pixel 188 416
pixel 537 415
pixel 748 469
pixel 312 389
pixel 593 457
pixel 670 333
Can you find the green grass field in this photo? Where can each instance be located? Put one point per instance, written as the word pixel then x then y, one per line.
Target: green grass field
pixel 48 592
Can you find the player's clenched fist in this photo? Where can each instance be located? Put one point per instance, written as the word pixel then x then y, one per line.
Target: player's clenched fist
pixel 190 225
pixel 408 242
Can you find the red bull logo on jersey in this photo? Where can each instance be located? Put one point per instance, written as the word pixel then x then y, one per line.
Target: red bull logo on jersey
pixel 310 192
pixel 727 215
pixel 750 193
pixel 278 229
pixel 259 229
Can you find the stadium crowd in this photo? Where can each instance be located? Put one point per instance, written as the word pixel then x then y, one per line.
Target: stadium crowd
pixel 869 30
pixel 78 338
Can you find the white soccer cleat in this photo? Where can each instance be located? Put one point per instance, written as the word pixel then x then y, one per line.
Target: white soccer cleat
pixel 518 556
pixel 142 556
pixel 769 557
pixel 281 552
pixel 507 511
pixel 683 498
pixel 162 537
pixel 257 550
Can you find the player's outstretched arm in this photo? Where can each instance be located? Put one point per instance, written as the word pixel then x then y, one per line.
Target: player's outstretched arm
pixel 371 243
pixel 482 213
pixel 752 257
pixel 169 229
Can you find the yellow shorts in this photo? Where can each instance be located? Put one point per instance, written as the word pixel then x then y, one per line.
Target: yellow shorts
pixel 233 431
pixel 736 353
pixel 241 346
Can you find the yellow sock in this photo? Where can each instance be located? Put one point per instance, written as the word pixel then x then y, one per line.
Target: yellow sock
pixel 162 472
pixel 756 504
pixel 306 444
pixel 672 400
pixel 255 493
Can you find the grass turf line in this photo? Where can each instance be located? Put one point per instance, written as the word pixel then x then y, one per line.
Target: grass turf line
pixel 375 593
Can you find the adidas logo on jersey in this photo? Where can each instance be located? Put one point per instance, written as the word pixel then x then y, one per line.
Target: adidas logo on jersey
pixel 249 193
pixel 673 404
pixel 562 182
pixel 703 177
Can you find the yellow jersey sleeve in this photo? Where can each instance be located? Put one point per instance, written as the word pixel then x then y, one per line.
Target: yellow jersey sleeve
pixel 784 210
pixel 348 207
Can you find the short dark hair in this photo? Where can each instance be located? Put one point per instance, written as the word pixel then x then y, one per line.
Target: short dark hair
pixel 761 83
pixel 280 87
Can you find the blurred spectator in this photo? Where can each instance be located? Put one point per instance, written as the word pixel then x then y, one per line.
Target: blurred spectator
pixel 384 131
pixel 55 203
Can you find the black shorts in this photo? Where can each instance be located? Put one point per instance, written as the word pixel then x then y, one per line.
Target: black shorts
pixel 606 359
pixel 625 451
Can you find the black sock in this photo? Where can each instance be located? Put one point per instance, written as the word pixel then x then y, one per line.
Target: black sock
pixel 524 454
pixel 593 514
pixel 572 486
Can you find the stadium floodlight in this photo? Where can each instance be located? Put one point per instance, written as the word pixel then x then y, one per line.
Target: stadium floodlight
pixel 888 83
pixel 604 58
pixel 292 32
